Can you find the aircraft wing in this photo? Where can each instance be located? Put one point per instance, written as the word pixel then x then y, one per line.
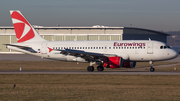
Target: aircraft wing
pixel 88 56
pixel 23 47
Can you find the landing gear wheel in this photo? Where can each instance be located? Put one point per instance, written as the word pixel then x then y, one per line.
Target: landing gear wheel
pixel 152 69
pixel 90 68
pixel 100 68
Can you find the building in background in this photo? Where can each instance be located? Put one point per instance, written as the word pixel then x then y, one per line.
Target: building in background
pixel 7 34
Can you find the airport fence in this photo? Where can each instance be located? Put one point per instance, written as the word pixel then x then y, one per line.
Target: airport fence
pixel 121 95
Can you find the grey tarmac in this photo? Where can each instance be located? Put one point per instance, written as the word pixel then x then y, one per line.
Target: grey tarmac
pixel 95 72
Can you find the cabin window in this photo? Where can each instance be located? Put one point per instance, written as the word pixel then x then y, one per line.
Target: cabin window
pixel 109 47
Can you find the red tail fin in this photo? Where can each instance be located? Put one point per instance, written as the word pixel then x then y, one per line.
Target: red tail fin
pixel 23 29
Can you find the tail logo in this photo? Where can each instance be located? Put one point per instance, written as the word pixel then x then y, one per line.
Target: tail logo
pixel 22 27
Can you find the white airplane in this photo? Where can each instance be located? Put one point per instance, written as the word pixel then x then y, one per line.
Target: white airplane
pixel 110 54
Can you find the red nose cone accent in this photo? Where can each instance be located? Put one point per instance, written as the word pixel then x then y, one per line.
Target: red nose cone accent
pixel 50 49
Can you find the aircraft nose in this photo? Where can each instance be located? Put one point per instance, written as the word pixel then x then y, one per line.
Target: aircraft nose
pixel 175 54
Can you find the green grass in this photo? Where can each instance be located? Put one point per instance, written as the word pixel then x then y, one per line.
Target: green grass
pixel 89 87
pixel 44 87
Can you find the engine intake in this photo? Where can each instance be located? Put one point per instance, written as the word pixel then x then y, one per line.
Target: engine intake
pixel 112 62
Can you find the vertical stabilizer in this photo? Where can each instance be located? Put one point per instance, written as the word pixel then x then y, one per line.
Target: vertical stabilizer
pixel 23 29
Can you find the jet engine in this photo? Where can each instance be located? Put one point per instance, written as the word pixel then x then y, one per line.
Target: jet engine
pixel 112 62
pixel 117 62
pixel 128 64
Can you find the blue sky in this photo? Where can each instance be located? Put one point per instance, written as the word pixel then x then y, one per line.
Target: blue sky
pixel 150 14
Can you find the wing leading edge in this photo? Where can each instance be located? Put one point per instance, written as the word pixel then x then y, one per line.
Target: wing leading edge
pixel 88 56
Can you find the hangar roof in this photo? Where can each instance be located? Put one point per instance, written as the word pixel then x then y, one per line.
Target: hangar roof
pixel 159 32
pixel 93 27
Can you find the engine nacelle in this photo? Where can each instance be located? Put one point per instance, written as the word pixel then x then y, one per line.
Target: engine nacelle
pixel 117 62
pixel 128 64
pixel 112 62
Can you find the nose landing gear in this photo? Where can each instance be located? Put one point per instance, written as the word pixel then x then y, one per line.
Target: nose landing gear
pixel 152 69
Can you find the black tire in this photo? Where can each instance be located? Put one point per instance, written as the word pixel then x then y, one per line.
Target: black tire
pixel 152 69
pixel 100 68
pixel 90 68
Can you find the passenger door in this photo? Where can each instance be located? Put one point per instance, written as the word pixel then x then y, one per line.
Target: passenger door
pixel 44 48
pixel 150 48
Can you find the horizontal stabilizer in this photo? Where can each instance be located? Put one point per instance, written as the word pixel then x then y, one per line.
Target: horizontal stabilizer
pixel 23 47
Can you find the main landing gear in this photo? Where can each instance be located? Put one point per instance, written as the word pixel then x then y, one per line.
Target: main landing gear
pixel 91 67
pixel 152 69
pixel 100 68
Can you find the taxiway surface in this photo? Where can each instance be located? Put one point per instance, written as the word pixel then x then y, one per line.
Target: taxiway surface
pixel 85 72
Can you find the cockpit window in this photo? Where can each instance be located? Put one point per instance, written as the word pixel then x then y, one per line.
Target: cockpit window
pixel 168 46
pixel 164 47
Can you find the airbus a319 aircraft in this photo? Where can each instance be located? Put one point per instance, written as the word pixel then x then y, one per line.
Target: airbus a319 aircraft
pixel 109 54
